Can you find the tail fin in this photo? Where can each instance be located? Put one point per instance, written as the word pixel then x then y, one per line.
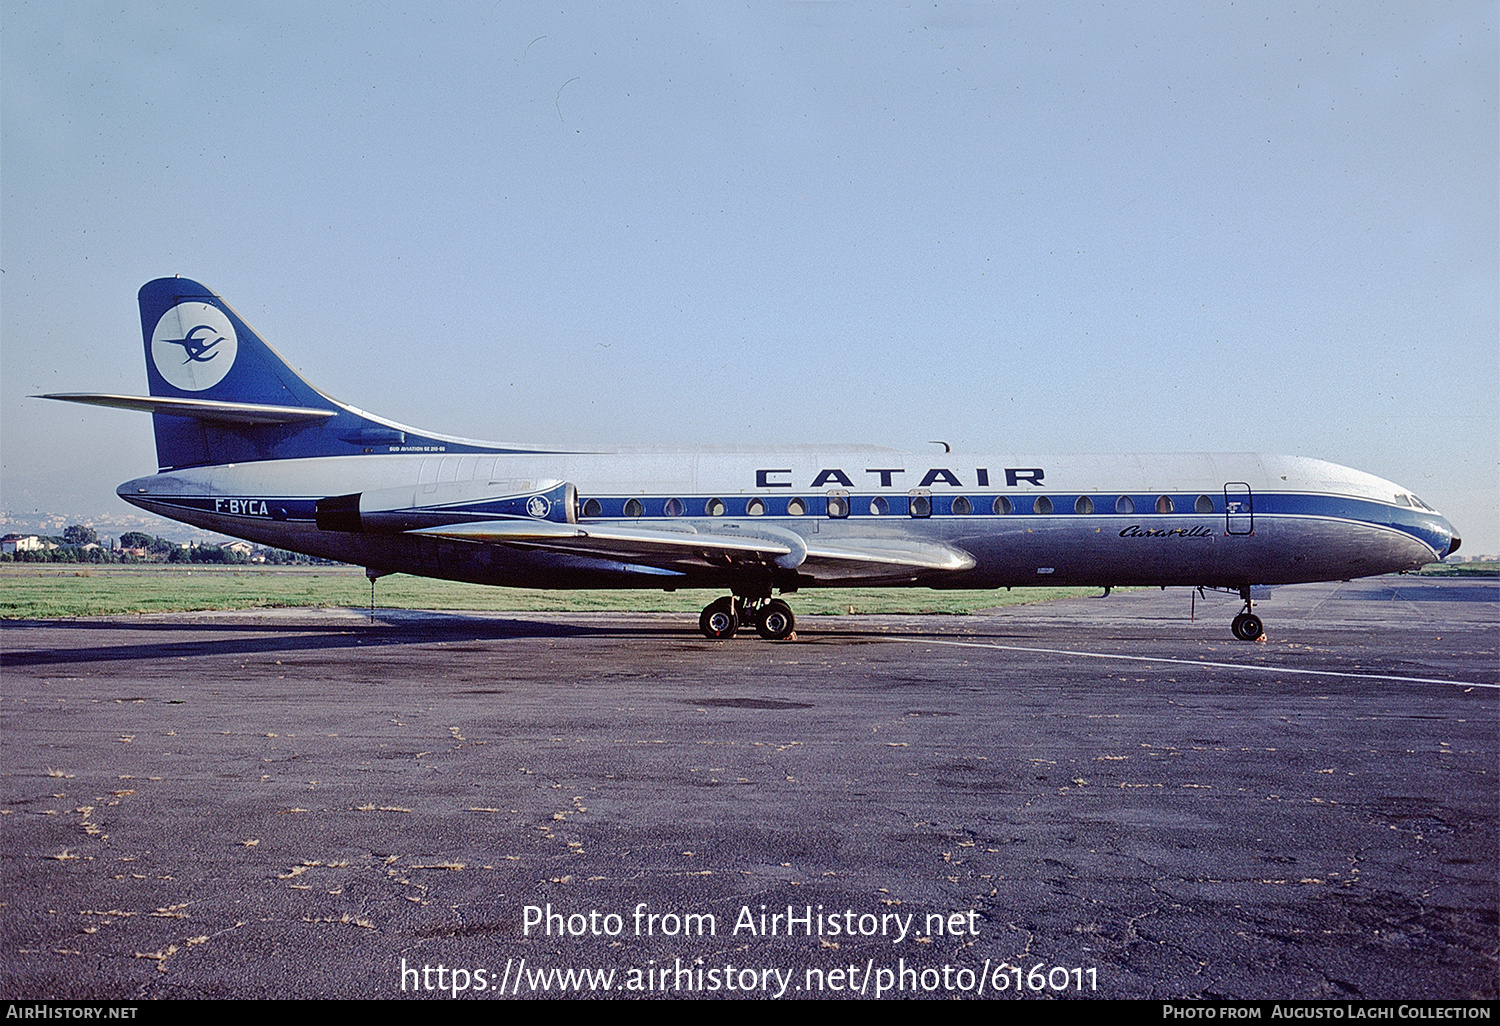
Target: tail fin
pixel 227 397
pixel 219 394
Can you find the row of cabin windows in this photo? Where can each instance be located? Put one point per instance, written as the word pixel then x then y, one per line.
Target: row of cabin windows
pixel 918 505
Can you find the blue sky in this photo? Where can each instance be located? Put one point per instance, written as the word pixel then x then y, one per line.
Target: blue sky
pixel 1038 228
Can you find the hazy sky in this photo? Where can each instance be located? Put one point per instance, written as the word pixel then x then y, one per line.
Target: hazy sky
pixel 1036 228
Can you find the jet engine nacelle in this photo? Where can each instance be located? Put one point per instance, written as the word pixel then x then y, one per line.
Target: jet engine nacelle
pixel 412 507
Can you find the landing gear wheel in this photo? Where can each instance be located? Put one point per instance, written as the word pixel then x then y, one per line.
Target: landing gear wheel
pixel 718 621
pixel 1247 627
pixel 775 621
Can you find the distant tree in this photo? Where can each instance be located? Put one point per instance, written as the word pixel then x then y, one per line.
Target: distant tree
pixel 135 540
pixel 78 534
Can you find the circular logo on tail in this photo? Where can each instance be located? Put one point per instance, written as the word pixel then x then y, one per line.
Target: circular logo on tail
pixel 193 346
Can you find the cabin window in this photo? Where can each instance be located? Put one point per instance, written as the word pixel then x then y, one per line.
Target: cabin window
pixel 755 508
pixel 1001 506
pixel 1204 504
pixel 674 508
pixel 1125 504
pixel 921 504
pixel 879 507
pixel 592 508
pixel 838 504
pixel 796 508
pixel 1083 505
pixel 962 507
pixel 1043 505
pixel 713 508
pixel 633 508
pixel 1164 504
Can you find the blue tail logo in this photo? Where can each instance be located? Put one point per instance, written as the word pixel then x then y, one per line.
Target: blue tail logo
pixel 193 346
pixel 197 346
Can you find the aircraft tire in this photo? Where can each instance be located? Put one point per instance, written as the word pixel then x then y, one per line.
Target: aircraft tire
pixel 718 621
pixel 1247 627
pixel 776 622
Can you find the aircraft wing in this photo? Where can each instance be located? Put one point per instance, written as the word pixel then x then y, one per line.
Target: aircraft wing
pixel 641 545
pixel 879 557
pixel 846 559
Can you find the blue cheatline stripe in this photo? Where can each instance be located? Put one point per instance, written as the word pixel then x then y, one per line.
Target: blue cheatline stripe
pixel 1418 524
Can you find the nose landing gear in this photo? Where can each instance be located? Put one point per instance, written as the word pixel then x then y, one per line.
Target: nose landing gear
pixel 1247 626
pixel 722 618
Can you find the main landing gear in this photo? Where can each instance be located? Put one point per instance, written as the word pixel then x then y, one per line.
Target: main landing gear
pixel 722 618
pixel 1247 626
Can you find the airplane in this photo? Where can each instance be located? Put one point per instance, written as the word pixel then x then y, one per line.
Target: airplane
pixel 246 447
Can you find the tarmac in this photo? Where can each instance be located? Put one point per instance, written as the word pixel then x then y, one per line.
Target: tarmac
pixel 1106 797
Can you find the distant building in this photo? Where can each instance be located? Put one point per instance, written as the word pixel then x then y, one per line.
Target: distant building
pixel 13 543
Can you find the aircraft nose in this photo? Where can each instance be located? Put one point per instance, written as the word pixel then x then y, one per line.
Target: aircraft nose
pixel 1446 531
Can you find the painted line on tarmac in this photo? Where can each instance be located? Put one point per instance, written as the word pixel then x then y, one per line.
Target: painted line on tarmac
pixel 1201 663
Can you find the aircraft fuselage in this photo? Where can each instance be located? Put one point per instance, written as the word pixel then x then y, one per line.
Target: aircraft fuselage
pixel 1226 520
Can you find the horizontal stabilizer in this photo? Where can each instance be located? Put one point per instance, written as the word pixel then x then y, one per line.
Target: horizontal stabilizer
pixel 198 409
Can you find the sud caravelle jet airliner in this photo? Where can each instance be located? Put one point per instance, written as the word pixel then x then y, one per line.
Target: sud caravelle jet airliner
pixel 246 447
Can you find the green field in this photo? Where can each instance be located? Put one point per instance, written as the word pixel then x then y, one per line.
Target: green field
pixel 40 591
pixel 1488 568
pixel 44 590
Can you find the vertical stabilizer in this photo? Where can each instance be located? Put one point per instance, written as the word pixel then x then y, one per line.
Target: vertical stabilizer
pixel 197 348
